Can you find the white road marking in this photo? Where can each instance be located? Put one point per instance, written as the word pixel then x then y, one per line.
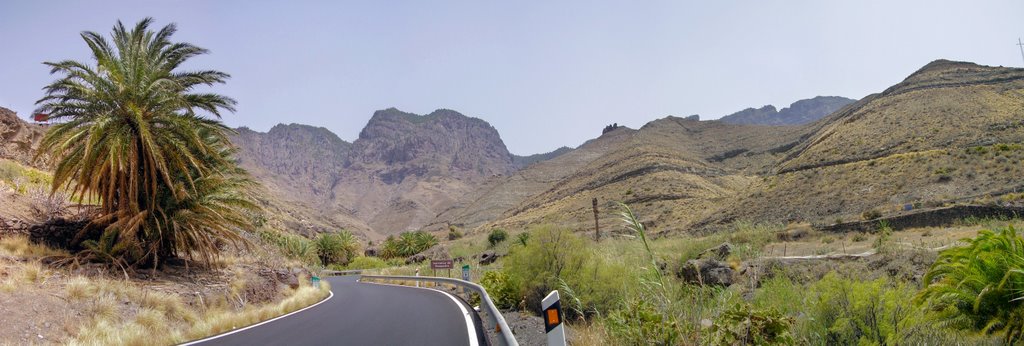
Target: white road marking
pixel 258 324
pixel 470 328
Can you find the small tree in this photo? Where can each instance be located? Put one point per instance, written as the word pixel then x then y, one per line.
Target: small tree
pixel 497 236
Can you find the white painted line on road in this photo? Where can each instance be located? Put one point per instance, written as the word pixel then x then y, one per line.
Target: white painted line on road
pixel 470 328
pixel 258 324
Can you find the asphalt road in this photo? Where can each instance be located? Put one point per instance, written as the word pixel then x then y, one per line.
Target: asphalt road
pixel 369 314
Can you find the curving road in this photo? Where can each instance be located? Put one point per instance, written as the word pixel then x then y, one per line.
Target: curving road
pixel 369 314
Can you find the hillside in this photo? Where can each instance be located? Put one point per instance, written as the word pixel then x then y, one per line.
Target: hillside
pixel 799 113
pixel 949 132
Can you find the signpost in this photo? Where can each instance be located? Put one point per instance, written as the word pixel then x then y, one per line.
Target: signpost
pixel 552 307
pixel 465 272
pixel 442 264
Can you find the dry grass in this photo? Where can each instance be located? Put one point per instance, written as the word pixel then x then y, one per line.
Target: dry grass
pixel 164 319
pixel 219 321
pixel 587 334
pixel 20 246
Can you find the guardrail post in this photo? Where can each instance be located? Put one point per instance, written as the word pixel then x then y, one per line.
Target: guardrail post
pixel 552 307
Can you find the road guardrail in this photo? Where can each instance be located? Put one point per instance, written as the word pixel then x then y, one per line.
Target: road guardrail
pixel 497 321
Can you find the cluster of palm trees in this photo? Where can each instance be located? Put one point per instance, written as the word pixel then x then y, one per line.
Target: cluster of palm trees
pixel 407 244
pixel 131 131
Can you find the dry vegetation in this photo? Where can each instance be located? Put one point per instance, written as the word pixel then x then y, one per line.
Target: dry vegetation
pixel 44 303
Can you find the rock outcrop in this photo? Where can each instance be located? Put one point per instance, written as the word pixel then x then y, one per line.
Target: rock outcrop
pixel 798 113
pixel 19 139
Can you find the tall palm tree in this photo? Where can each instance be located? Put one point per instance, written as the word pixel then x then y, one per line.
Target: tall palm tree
pixel 129 131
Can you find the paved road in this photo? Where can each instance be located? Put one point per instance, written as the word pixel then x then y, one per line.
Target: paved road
pixel 369 314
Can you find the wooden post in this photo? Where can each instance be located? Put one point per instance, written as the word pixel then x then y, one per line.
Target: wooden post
pixel 597 227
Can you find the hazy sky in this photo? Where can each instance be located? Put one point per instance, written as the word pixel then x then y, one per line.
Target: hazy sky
pixel 545 74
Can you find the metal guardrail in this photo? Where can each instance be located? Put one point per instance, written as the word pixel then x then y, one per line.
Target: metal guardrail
pixel 497 321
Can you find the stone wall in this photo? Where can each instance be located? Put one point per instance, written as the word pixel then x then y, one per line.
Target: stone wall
pixel 937 217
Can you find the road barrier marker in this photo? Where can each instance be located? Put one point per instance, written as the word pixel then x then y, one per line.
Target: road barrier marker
pixel 552 307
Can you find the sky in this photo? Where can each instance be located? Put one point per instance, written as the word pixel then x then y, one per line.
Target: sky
pixel 546 74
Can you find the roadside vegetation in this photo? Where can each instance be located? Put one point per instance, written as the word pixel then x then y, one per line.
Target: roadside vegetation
pixel 628 290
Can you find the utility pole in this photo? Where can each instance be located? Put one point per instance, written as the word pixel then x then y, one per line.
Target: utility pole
pixel 1021 45
pixel 597 227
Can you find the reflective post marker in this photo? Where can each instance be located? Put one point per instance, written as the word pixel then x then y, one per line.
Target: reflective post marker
pixel 553 319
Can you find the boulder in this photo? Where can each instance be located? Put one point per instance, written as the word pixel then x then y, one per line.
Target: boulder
pixel 371 252
pixel 437 252
pixel 417 258
pixel 720 252
pixel 707 272
pixel 488 257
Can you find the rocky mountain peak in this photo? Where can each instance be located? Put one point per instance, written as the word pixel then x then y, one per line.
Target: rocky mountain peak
pixel 439 142
pixel 798 113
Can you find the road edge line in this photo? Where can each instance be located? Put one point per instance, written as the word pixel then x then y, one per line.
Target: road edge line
pixel 470 326
pixel 221 335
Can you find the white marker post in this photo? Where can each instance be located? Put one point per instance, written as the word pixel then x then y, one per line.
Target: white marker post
pixel 552 307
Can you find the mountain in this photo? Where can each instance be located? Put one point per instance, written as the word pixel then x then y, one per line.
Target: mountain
pixel 798 113
pixel 402 171
pixel 950 132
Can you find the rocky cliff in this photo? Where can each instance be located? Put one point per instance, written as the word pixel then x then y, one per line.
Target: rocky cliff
pixel 19 139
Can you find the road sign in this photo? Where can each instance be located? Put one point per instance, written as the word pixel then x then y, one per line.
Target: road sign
pixel 442 264
pixel 552 307
pixel 465 272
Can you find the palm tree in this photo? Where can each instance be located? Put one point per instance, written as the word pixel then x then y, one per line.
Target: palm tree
pixel 979 287
pixel 129 132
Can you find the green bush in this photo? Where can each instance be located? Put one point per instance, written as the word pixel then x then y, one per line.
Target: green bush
pixel 849 311
pixel 502 290
pixel 523 238
pixel 364 262
pixel 639 322
pixel 980 287
pixel 290 245
pixel 554 258
pixel 744 325
pixel 497 236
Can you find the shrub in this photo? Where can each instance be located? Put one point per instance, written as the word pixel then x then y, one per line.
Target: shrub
pixel 744 325
pixel 554 258
pixel 849 311
pixel 523 238
pixel 497 236
pixel 638 322
pixel 453 233
pixel 363 262
pixel 502 290
pixel 290 245
pixel 871 214
pixel 980 287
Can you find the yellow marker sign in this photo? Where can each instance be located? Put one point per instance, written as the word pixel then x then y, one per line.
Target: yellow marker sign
pixel 552 317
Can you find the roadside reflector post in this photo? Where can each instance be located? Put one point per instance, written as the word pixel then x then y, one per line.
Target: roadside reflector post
pixel 552 314
pixel 417 275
